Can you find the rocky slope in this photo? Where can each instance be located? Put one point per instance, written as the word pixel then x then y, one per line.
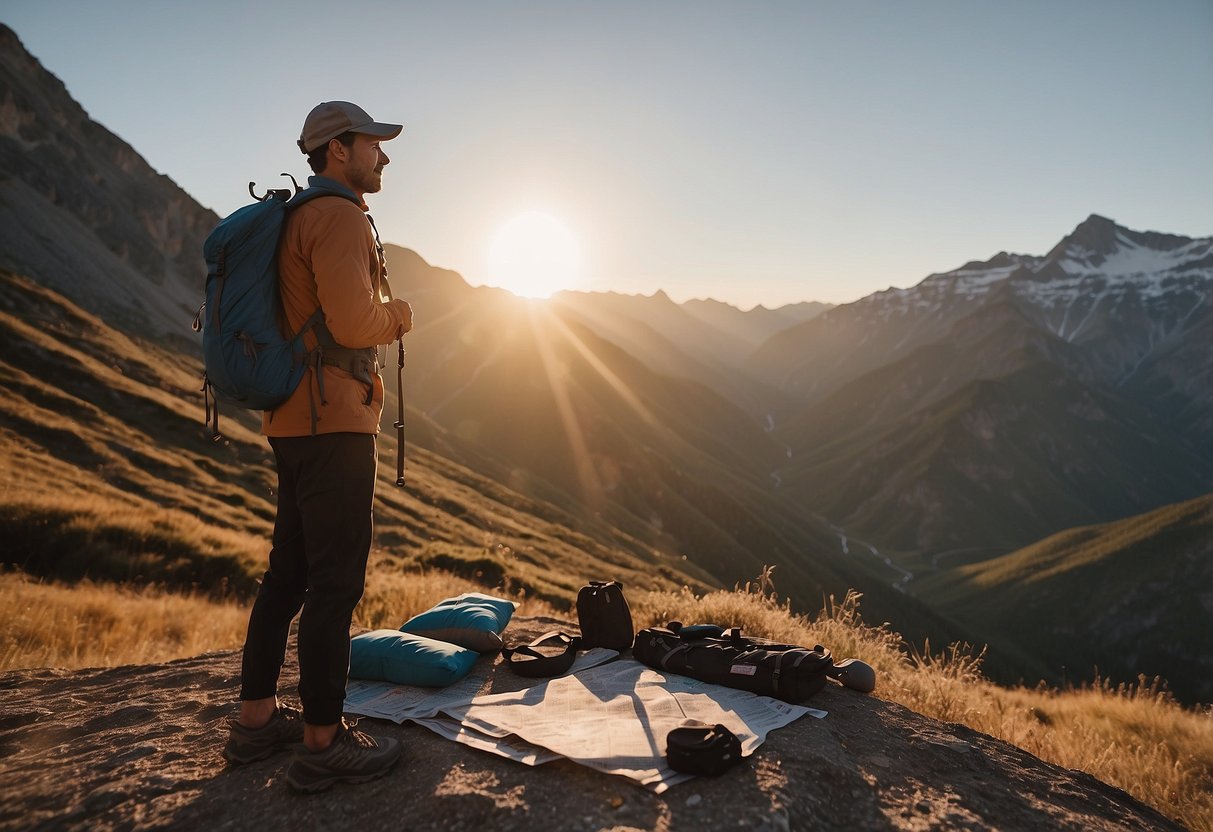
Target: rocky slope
pixel 81 211
pixel 137 748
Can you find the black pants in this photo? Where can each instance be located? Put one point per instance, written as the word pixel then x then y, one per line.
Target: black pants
pixel 322 537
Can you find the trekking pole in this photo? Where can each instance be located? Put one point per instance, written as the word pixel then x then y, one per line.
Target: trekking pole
pixel 400 415
pixel 387 287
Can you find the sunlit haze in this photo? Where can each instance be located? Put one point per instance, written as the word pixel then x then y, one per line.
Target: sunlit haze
pixel 752 152
pixel 534 255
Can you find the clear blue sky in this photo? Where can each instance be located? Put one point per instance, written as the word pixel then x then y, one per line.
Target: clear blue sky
pixel 755 152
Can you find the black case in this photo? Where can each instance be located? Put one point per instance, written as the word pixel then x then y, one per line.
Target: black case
pixel 702 749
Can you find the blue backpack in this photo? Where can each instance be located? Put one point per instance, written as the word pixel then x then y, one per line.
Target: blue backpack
pixel 250 362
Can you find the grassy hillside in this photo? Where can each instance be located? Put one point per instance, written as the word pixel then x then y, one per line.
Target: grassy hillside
pixel 111 475
pixel 1161 561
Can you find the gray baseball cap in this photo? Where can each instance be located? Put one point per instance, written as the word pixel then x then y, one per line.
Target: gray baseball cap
pixel 330 119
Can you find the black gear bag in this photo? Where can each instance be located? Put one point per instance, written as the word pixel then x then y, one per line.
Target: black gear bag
pixel 783 671
pixel 604 616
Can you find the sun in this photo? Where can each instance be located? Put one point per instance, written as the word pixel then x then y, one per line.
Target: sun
pixel 534 255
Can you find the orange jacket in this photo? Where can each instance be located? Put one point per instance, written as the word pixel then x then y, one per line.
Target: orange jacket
pixel 329 259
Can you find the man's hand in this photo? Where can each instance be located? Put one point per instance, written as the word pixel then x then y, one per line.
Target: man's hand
pixel 406 319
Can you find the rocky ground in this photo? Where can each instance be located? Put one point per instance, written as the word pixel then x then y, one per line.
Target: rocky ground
pixel 138 748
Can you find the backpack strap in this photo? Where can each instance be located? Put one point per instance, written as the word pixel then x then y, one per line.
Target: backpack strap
pixel 527 661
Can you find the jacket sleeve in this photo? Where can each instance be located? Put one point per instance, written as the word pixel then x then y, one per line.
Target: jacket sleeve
pixel 342 259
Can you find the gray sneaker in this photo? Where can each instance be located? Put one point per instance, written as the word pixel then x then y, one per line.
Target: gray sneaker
pixel 352 757
pixel 245 745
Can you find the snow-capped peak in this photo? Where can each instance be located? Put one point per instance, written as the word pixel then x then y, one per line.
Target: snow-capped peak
pixel 1098 258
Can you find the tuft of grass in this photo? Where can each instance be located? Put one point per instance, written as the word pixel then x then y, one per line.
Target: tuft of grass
pixel 1136 737
pixel 393 595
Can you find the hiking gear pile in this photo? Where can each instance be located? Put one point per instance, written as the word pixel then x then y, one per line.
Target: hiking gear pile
pixel 725 657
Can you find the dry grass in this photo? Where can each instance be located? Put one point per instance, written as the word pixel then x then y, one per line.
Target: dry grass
pixel 91 624
pixel 102 625
pixel 1137 738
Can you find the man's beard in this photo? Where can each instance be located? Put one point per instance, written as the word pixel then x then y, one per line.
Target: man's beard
pixel 369 181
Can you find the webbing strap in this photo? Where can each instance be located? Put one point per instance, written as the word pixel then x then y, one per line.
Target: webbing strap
pixel 526 660
pixel 361 364
pixel 212 408
pixel 664 661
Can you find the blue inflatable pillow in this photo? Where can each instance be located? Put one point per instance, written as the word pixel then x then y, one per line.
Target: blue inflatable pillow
pixel 407 659
pixel 472 620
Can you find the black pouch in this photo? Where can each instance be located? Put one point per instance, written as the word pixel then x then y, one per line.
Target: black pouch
pixel 702 749
pixel 604 616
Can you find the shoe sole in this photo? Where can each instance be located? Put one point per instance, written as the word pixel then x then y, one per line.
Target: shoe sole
pixel 239 760
pixel 314 786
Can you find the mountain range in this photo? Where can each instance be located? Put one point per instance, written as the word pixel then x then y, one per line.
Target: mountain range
pixel 901 445
pixel 992 405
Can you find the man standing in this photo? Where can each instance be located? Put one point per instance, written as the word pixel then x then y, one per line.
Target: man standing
pixel 323 438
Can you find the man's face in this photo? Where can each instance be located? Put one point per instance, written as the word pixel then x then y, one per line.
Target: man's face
pixel 364 170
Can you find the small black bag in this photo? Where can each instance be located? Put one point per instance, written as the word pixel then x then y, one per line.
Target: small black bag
pixel 783 671
pixel 702 749
pixel 604 616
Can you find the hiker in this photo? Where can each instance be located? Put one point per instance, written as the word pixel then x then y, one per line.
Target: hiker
pixel 323 439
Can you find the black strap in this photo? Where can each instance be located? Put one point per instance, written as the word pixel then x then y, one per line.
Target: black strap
pixel 211 403
pixel 526 660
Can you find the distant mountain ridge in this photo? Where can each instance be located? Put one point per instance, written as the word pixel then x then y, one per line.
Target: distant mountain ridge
pixel 1068 292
